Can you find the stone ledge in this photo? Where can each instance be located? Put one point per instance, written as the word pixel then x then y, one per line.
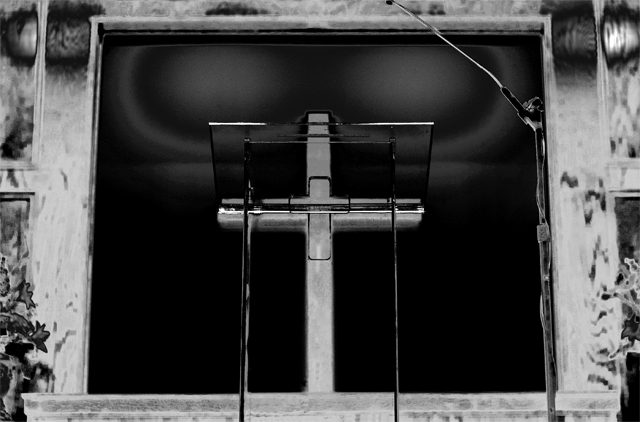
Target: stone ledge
pixel 311 404
pixel 447 24
pixel 623 175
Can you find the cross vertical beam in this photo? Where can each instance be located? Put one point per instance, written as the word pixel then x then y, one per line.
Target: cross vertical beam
pixel 320 359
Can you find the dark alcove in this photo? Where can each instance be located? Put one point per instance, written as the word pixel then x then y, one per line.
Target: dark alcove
pixel 165 310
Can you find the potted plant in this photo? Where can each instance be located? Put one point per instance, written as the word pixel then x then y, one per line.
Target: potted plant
pixel 627 290
pixel 18 337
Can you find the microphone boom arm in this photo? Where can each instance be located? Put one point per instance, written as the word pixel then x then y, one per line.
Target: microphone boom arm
pixel 528 116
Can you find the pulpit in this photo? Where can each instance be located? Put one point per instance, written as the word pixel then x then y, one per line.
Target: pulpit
pixel 319 176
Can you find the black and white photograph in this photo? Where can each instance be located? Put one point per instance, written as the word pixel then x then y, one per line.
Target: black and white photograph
pixel 320 210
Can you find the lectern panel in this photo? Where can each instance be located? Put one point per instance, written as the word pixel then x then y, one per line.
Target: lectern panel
pixel 412 157
pixel 278 170
pixel 362 170
pixel 361 158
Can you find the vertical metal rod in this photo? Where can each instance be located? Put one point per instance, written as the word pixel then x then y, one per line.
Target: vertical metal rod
pixel 544 240
pixel 246 272
pixel 396 393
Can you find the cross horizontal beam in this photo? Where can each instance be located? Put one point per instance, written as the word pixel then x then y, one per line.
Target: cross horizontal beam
pixel 298 223
pixel 360 206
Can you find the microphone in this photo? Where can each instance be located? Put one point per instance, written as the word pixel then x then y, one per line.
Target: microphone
pixel 522 113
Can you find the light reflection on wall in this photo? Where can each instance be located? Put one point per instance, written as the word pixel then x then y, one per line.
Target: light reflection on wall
pixel 168 94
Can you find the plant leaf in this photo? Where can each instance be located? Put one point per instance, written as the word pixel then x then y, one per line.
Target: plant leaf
pixel 24 295
pixel 631 329
pixel 17 324
pixel 39 336
pixel 624 348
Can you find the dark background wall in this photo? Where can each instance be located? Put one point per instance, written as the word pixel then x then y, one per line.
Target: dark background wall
pixel 469 277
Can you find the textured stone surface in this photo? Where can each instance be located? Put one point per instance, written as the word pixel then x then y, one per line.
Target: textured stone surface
pixel 17 84
pixel 624 112
pixel 621 47
pixel 325 407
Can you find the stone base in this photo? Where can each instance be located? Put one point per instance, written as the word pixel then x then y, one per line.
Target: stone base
pixel 325 407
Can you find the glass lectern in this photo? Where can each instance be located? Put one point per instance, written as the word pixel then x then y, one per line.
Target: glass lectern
pixel 313 174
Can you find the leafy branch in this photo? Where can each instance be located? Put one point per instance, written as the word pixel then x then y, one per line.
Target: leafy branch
pixel 15 318
pixel 627 290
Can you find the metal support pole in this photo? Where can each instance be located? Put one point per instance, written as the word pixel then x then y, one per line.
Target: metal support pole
pixel 246 272
pixel 396 393
pixel 544 245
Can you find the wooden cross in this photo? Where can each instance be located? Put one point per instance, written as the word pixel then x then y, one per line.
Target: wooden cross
pixel 318 213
